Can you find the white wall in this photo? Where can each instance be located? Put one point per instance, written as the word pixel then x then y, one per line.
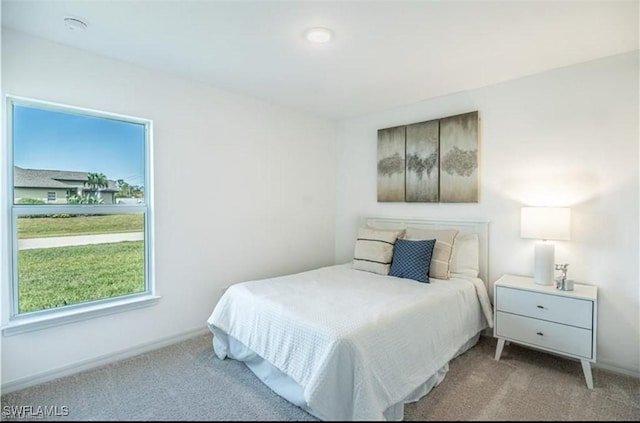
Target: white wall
pixel 273 190
pixel 567 137
pixel 244 189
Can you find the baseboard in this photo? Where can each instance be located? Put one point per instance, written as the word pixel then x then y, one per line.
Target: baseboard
pixel 616 369
pixel 102 360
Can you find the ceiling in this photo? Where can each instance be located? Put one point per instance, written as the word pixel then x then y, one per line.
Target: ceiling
pixel 383 55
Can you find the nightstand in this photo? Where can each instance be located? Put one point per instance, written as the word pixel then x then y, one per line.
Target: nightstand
pixel 543 317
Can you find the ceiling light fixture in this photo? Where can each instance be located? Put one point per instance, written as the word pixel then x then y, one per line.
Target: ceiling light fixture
pixel 318 35
pixel 75 24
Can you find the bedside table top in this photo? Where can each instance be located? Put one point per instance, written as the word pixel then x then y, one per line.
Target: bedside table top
pixel 586 292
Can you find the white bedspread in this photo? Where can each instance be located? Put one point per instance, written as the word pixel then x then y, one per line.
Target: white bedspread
pixel 357 342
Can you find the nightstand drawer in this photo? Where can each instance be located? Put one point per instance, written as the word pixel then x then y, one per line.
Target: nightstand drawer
pixel 554 336
pixel 565 310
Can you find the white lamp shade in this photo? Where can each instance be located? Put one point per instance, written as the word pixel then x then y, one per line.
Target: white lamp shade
pixel 545 223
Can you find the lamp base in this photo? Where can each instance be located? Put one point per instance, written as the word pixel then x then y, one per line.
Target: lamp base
pixel 544 263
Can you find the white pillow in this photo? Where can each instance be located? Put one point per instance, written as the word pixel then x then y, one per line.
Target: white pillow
pixel 441 258
pixel 374 250
pixel 465 258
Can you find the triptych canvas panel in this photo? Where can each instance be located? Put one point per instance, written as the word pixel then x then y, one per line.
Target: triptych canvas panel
pixel 431 161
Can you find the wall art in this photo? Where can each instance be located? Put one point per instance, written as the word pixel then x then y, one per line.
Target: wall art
pixel 391 164
pixel 430 161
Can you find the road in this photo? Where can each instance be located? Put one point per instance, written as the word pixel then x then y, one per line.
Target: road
pixel 64 241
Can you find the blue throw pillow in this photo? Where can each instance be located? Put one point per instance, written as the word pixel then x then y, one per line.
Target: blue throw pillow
pixel 411 259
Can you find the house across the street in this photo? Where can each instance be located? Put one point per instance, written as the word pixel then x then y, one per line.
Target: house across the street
pixel 53 186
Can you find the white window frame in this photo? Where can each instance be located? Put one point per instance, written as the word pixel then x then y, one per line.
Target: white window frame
pixel 16 322
pixel 48 195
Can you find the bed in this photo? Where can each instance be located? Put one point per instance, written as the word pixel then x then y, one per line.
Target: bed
pixel 348 344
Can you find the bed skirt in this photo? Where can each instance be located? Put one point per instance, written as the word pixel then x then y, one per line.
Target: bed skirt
pixel 227 346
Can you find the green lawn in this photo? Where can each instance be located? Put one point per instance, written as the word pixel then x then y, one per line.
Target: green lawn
pixel 42 227
pixel 53 277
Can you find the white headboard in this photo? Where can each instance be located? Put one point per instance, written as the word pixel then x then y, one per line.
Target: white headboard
pixel 480 227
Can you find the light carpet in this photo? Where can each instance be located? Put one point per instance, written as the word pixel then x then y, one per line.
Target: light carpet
pixel 185 381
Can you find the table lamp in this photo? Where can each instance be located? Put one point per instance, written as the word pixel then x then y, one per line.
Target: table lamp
pixel 545 223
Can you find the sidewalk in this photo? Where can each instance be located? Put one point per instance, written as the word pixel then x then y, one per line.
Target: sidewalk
pixel 64 241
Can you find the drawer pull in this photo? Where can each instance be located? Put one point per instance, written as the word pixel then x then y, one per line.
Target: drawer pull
pixel 540 333
pixel 540 306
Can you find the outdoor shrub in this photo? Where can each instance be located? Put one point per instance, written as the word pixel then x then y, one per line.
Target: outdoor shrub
pixel 27 200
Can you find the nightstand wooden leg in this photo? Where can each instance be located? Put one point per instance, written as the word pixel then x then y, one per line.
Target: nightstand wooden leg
pixel 586 369
pixel 499 348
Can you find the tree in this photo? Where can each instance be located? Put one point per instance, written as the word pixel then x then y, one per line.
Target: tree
pixel 126 190
pixel 137 191
pixel 95 181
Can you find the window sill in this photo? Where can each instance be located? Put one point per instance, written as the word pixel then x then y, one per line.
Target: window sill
pixel 29 324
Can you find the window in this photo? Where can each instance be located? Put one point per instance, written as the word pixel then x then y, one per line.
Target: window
pixel 75 246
